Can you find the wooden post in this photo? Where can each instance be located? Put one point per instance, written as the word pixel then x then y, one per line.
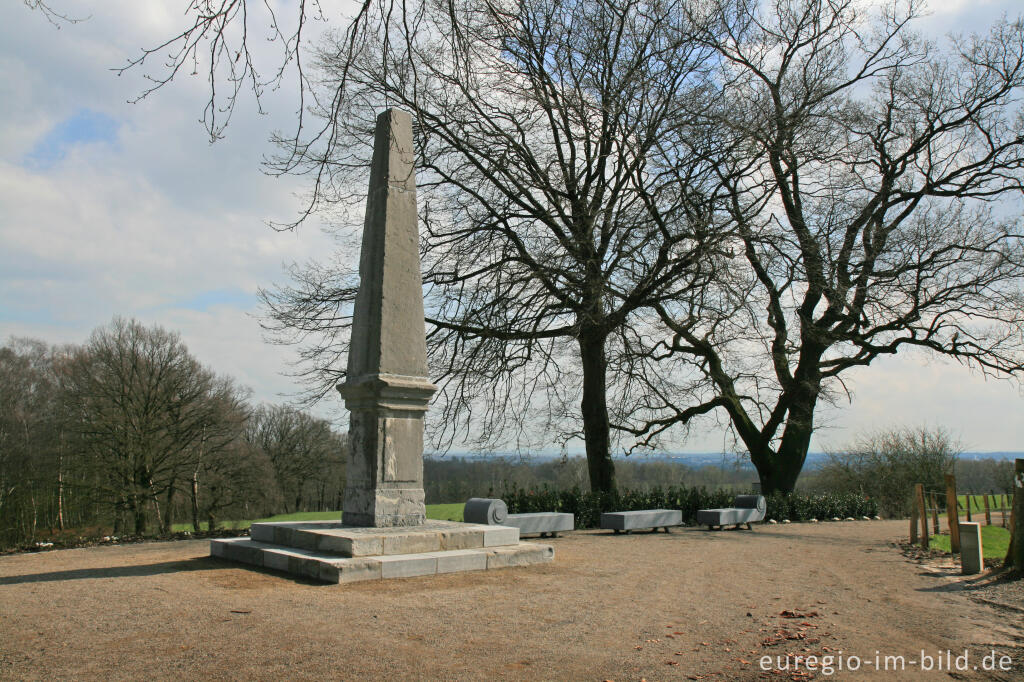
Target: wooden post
pixel 988 512
pixel 922 513
pixel 913 520
pixel 1015 555
pixel 935 513
pixel 1002 508
pixel 952 514
pixel 968 498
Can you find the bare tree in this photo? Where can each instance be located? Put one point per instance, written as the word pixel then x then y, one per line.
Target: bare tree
pixel 143 406
pixel 886 465
pixel 562 199
pixel 582 161
pixel 865 181
pixel 54 16
pixel 307 457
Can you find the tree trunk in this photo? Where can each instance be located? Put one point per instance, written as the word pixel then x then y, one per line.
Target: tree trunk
pixel 139 509
pixel 779 471
pixel 195 501
pixel 594 408
pixel 168 521
pixel 60 483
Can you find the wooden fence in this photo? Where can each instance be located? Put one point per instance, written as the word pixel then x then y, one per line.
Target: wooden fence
pixel 930 506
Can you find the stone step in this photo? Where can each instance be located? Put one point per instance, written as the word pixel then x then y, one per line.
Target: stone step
pixel 331 568
pixel 352 541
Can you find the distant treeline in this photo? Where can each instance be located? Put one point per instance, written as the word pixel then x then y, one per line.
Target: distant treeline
pixel 456 479
pixel 885 472
pixel 128 433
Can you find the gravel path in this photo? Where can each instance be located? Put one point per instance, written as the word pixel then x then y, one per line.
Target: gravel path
pixel 686 605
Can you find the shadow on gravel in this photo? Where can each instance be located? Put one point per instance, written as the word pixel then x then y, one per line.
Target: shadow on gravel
pixel 197 564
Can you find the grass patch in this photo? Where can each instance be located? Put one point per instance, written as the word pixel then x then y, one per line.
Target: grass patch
pixel 440 512
pixel 978 504
pixel 995 541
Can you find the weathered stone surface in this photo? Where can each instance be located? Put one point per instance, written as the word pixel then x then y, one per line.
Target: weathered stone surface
pixel 523 554
pixel 541 522
pixel 218 548
pixel 461 560
pixel 462 538
pixel 495 536
pixel 407 565
pixel 647 518
pixel 971 550
pixel 350 570
pixel 328 566
pixel 387 389
pixel 412 543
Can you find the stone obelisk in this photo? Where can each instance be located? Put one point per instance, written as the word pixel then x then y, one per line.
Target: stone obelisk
pixel 387 389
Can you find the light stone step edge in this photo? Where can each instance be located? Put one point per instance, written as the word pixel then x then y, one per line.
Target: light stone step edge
pixel 331 568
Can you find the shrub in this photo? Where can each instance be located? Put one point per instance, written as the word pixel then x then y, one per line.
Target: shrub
pixel 587 506
pixel 886 465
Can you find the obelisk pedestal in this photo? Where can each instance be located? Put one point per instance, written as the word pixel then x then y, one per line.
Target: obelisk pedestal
pixel 387 389
pixel 383 533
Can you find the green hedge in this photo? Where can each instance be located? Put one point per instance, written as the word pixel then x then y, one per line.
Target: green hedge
pixel 823 507
pixel 587 506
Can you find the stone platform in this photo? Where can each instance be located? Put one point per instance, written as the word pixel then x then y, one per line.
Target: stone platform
pixel 335 553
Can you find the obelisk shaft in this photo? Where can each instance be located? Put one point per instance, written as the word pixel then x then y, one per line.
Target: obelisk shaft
pixel 387 389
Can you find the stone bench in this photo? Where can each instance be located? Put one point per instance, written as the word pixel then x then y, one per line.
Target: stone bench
pixel 746 509
pixel 549 523
pixel 647 518
pixel 494 512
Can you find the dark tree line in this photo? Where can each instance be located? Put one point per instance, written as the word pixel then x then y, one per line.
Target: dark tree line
pixel 130 432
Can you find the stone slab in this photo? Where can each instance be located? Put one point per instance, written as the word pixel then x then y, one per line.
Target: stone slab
pixel 355 541
pixel 523 554
pixel 495 536
pixel 971 551
pixel 333 569
pixel 407 565
pixel 541 522
pixel 728 516
pixel 461 560
pixel 646 518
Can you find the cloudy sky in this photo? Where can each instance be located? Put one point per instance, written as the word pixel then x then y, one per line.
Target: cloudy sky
pixel 109 208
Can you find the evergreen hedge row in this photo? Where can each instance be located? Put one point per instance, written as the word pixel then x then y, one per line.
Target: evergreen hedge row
pixel 587 506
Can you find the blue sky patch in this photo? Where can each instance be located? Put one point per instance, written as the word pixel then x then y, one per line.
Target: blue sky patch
pixel 83 127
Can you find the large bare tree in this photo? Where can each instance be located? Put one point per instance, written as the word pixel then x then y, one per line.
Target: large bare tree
pixel 144 408
pixel 583 160
pixel 874 181
pixel 560 203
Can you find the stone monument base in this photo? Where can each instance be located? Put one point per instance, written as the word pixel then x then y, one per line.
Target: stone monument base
pixel 335 553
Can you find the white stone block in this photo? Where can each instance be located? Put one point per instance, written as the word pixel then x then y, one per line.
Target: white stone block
pixel 971 551
pixel 496 536
pixel 407 565
pixel 461 560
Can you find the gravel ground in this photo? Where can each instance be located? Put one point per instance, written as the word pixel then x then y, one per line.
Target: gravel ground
pixel 686 605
